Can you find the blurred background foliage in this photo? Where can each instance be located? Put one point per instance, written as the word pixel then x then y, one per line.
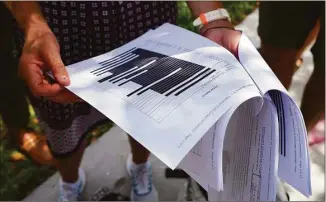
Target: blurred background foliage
pixel 238 10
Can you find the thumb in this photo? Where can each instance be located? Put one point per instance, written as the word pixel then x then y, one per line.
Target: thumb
pixel 54 62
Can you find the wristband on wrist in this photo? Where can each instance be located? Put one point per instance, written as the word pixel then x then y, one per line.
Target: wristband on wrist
pixel 205 18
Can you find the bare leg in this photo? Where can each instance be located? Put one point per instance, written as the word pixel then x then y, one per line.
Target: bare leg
pixel 313 102
pixel 68 167
pixel 281 61
pixel 311 37
pixel 140 173
pixel 139 153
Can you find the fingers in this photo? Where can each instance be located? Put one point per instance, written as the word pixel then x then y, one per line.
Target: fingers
pixel 36 82
pixel 54 92
pixel 44 54
pixel 51 56
pixel 39 86
pixel 234 43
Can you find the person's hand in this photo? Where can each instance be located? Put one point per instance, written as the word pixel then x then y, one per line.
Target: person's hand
pixel 223 33
pixel 41 52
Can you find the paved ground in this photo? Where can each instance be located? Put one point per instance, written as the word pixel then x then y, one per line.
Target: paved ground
pixel 104 161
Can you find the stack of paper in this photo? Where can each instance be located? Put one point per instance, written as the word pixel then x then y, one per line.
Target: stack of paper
pixel 229 124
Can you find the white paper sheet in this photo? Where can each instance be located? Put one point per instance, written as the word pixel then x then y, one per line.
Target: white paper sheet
pixel 250 156
pixel 164 125
pixel 206 168
pixel 294 165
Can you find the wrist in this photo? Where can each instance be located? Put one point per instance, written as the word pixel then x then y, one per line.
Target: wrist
pixel 199 7
pixel 222 23
pixel 35 26
pixel 29 17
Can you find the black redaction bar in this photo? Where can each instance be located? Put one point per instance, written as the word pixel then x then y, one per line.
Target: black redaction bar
pixel 189 86
pixel 186 83
pixel 177 78
pixel 152 71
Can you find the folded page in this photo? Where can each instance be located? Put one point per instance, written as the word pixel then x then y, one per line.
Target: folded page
pixel 204 162
pixel 294 160
pixel 294 165
pixel 250 155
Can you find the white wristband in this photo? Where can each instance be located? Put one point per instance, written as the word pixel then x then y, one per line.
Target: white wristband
pixel 210 16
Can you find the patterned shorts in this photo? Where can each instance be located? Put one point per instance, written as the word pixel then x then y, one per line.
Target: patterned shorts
pixel 84 30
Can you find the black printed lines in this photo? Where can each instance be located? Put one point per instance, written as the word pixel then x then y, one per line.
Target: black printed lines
pixel 277 99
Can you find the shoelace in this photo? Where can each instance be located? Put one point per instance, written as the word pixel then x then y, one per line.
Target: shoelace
pixel 69 193
pixel 141 179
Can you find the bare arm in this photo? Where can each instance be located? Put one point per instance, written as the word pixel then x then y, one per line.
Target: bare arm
pixel 29 17
pixel 41 50
pixel 199 7
pixel 219 31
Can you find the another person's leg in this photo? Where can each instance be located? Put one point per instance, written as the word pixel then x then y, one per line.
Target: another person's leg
pixel 313 101
pixel 284 33
pixel 281 61
pixel 311 38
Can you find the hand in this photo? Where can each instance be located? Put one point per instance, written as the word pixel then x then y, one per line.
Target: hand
pixel 41 52
pixel 222 32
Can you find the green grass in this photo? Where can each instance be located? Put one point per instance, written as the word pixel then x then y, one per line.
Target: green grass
pixel 239 9
pixel 19 178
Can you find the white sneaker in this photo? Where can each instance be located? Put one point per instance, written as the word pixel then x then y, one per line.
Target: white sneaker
pixel 72 191
pixel 142 185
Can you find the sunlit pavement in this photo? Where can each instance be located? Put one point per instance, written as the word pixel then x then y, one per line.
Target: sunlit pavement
pixel 104 161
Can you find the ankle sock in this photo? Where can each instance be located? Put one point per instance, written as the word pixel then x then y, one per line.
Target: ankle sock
pixel 135 166
pixel 71 184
